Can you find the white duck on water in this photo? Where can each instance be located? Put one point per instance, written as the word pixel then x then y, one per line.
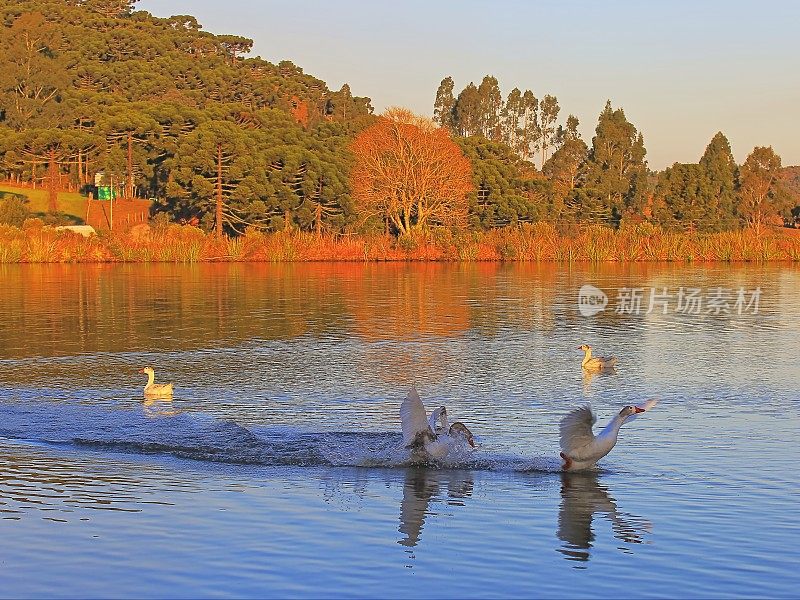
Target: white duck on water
pixel 580 448
pixel 597 363
pixel 423 437
pixel 155 390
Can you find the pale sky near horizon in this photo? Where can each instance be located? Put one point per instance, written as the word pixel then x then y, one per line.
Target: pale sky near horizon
pixel 681 70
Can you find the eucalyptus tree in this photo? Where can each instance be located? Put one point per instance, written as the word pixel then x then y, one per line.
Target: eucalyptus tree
pixel 467 111
pixel 444 105
pixel 511 117
pixel 490 109
pixel 548 115
pixel 531 129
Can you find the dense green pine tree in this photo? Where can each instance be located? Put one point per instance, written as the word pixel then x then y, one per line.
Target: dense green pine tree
pixel 50 147
pixel 110 8
pixel 128 132
pixel 701 197
pixel 562 167
pixel 613 179
pixel 505 194
pixel 722 173
pixel 34 75
pixel 681 198
pixel 143 99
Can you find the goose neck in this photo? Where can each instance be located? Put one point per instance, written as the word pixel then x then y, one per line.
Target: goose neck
pixel 612 429
pixel 587 356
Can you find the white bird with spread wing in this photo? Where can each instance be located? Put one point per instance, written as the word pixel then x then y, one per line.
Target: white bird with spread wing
pixel 423 437
pixel 580 448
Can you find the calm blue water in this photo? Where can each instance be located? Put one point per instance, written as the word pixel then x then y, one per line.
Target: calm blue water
pixel 278 468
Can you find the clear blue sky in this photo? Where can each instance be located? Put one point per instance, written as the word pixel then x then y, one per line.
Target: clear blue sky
pixel 682 70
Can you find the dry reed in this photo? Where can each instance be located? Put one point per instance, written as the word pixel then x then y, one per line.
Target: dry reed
pixel 539 242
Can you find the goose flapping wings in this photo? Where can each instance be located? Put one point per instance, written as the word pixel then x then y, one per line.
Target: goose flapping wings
pixel 414 421
pixel 424 438
pixel 576 429
pixel 580 448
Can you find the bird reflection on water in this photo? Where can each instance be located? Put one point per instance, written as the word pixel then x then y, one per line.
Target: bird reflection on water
pixel 587 377
pixel 582 496
pixel 157 407
pixel 423 487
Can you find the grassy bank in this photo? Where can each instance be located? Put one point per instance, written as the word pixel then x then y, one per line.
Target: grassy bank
pixel 35 243
pixel 71 204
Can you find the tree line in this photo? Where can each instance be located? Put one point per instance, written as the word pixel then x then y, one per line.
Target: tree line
pixel 529 166
pixel 163 109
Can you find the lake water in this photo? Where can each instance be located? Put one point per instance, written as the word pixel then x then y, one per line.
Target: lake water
pixel 278 468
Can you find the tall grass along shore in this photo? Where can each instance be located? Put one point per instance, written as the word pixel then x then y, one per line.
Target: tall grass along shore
pixel 38 243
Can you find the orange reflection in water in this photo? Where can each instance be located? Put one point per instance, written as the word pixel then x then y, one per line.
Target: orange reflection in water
pixel 49 310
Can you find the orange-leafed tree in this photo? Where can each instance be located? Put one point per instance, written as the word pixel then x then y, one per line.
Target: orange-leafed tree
pixel 410 172
pixel 763 196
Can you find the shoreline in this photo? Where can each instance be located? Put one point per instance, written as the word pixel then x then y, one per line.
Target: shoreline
pixel 539 242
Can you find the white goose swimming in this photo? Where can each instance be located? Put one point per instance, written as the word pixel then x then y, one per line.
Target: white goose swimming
pixel 580 448
pixel 155 390
pixel 597 363
pixel 421 434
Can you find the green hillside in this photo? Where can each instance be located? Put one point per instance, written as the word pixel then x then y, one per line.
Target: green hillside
pixel 163 106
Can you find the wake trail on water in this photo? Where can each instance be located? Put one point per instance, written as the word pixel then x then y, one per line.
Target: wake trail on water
pixel 205 438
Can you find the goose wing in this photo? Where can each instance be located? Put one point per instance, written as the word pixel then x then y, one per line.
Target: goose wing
pixel 576 429
pixel 412 417
pixel 434 416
